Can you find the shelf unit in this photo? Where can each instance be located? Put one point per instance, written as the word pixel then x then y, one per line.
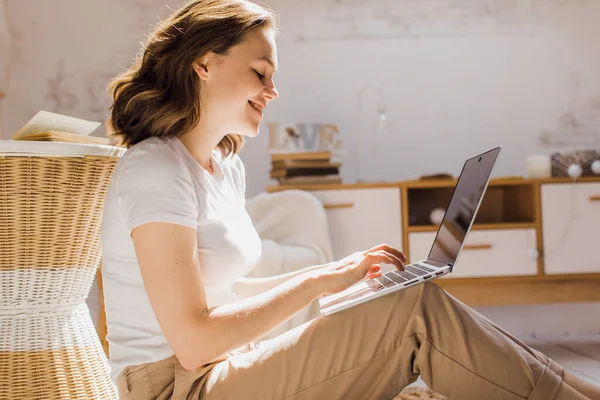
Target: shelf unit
pixel 511 206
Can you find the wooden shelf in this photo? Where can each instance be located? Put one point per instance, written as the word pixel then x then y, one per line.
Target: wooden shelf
pixel 520 279
pixel 450 183
pixel 506 225
pixel 583 179
pixel 438 183
pixel 516 291
pixel 337 186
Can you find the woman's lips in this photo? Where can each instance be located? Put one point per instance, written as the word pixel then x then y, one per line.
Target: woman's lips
pixel 256 107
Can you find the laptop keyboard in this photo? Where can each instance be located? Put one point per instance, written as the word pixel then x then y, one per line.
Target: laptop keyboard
pixel 396 277
pixel 393 278
pixel 426 268
pixel 387 282
pixel 417 271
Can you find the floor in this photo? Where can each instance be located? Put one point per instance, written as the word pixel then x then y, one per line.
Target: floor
pixel 579 355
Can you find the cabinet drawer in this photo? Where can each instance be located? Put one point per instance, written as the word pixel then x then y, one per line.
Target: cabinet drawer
pixel 571 227
pixel 362 218
pixel 507 252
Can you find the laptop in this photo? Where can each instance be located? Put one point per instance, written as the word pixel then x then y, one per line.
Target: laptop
pixel 451 235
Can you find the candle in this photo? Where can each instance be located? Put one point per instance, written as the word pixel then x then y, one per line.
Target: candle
pixel 539 166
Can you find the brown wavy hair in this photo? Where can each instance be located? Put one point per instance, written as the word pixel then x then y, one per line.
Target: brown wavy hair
pixel 159 94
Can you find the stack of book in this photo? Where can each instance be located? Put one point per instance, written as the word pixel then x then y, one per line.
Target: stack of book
pixel 305 168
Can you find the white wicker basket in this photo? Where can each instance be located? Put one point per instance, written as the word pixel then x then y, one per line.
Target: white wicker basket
pixel 51 201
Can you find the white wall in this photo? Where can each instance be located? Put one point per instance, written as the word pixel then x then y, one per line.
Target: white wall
pixel 457 76
pixel 454 85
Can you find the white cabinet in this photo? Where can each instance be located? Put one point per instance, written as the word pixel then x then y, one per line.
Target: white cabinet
pixel 571 227
pixel 362 218
pixel 486 253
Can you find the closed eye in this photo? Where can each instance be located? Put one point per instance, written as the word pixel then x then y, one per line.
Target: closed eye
pixel 259 75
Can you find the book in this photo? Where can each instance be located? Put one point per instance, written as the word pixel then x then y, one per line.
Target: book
pixel 311 180
pixel 54 136
pixel 322 155
pixel 291 172
pixel 289 164
pixel 45 121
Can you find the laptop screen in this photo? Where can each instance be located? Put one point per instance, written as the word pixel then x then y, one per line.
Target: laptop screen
pixel 462 207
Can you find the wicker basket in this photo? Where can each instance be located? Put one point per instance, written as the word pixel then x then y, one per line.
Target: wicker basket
pixel 51 201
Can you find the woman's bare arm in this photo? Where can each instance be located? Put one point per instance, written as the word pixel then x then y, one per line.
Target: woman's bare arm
pixel 248 287
pixel 167 254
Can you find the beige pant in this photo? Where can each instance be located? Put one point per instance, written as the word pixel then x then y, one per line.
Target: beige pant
pixel 370 351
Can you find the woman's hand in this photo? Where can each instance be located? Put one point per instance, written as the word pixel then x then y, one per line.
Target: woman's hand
pixel 339 275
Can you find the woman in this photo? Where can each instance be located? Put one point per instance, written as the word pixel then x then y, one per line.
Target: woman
pixel 176 237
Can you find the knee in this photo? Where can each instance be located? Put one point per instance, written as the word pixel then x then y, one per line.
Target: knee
pixel 419 307
pixel 433 292
pixel 431 288
pixel 428 293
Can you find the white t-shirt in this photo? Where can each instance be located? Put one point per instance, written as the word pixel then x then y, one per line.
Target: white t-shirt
pixel 158 180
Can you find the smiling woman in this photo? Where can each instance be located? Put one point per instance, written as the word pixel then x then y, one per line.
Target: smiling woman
pixel 199 86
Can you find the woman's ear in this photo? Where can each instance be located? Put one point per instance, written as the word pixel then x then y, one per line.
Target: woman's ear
pixel 201 68
pixel 202 65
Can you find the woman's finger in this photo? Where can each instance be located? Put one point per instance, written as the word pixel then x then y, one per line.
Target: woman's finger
pixel 374 274
pixel 371 275
pixel 372 259
pixel 397 253
pixel 399 262
pixel 395 260
pixel 389 249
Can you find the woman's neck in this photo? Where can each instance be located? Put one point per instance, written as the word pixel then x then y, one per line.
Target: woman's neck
pixel 200 144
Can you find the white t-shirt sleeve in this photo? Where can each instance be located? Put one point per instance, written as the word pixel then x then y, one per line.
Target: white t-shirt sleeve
pixel 154 186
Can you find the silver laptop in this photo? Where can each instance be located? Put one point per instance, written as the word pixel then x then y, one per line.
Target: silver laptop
pixel 452 233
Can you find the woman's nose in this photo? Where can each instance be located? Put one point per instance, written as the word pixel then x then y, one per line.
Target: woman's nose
pixel 271 93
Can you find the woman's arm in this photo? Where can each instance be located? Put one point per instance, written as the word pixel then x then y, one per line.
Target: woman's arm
pixel 278 257
pixel 167 255
pixel 248 287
